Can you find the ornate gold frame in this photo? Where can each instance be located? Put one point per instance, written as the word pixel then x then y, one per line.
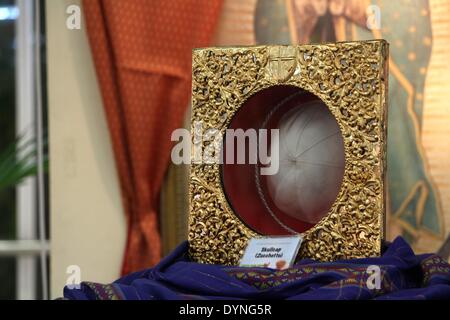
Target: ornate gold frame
pixel 351 79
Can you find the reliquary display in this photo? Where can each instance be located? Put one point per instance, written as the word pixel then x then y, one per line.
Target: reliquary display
pixel 288 140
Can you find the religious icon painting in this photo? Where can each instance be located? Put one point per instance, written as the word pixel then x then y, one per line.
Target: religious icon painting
pixel 288 140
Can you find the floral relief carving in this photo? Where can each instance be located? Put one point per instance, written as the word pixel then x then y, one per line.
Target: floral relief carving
pixel 350 78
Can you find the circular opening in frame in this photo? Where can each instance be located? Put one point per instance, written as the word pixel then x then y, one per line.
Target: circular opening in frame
pixel 283 161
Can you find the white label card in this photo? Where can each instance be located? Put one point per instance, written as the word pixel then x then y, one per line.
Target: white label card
pixel 271 252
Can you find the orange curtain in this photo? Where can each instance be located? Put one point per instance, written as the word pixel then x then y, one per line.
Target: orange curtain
pixel 142 54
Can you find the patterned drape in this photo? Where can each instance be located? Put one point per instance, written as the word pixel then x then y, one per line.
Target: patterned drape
pixel 142 54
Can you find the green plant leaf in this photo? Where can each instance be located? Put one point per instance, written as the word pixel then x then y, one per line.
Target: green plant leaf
pixel 18 161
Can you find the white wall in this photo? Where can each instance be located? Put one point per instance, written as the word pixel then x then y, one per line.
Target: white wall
pixel 87 222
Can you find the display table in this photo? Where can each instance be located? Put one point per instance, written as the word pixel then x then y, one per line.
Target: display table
pixel 403 275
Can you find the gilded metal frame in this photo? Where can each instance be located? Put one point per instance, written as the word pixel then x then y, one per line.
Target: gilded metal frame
pixel 351 79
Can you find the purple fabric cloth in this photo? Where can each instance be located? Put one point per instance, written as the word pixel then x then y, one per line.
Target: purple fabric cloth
pixel 404 275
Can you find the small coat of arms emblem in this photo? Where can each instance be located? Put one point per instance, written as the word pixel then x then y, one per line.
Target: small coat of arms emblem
pixel 282 62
